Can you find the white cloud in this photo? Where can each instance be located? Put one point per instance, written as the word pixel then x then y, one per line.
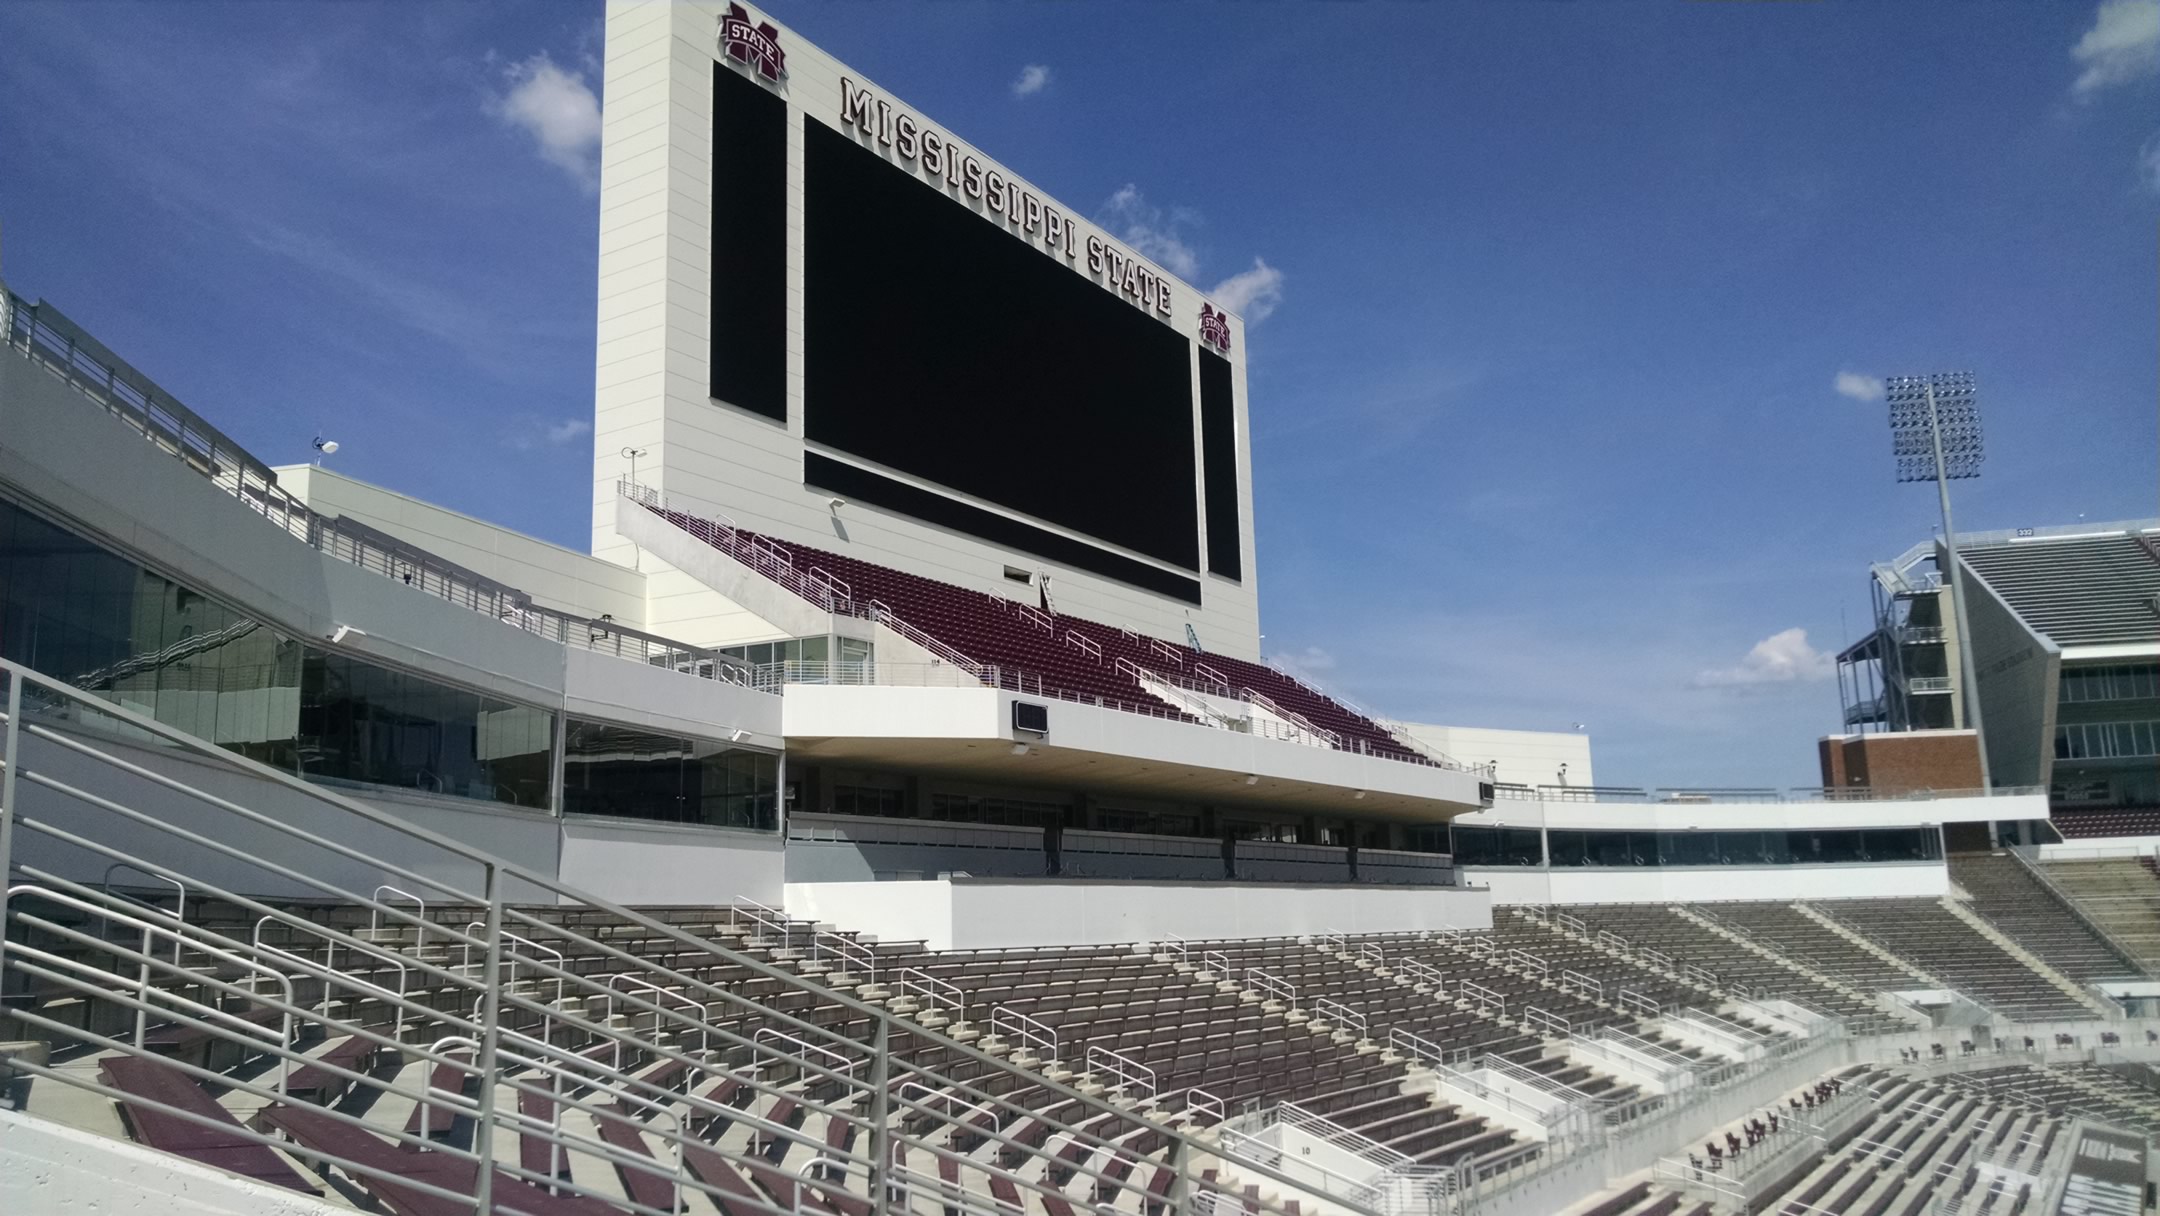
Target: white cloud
pixel 1032 80
pixel 2122 45
pixel 1146 228
pixel 1781 658
pixel 1251 294
pixel 1858 387
pixel 2149 164
pixel 568 430
pixel 1310 659
pixel 559 111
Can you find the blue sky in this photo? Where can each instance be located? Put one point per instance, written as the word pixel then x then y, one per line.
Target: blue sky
pixel 1545 402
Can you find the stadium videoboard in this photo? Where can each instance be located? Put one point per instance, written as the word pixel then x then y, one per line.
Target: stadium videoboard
pixel 972 355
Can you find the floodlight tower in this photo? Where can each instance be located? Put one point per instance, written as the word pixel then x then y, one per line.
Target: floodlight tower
pixel 1935 435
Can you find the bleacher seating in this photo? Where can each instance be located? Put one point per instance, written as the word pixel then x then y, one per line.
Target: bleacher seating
pixel 2122 896
pixel 1926 933
pixel 2079 823
pixel 2011 898
pixel 992 629
pixel 2077 591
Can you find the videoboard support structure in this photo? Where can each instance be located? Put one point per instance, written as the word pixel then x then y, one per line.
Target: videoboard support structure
pixel 839 324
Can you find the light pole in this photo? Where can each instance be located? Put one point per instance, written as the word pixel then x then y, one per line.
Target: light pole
pixel 633 454
pixel 1935 436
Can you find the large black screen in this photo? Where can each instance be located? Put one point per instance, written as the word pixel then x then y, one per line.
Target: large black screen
pixel 749 250
pixel 1218 457
pixel 939 346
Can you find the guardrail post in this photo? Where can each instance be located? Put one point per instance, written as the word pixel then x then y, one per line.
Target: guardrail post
pixel 1175 1157
pixel 490 1037
pixel 7 803
pixel 880 1111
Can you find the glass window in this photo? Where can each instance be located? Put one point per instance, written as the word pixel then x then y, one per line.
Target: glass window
pixel 1481 846
pixel 1568 848
pixel 629 773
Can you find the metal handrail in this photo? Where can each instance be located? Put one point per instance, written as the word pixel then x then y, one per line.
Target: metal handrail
pixel 375 914
pixel 1129 1073
pixel 1547 1022
pixel 632 983
pixel 1342 1015
pixel 1423 973
pixel 329 963
pixel 766 1035
pixel 850 952
pixel 149 930
pixel 1034 1032
pixel 514 958
pixel 1486 998
pixel 453 866
pixel 933 990
pixel 41 332
pixel 1588 985
pixel 179 907
pixel 1270 985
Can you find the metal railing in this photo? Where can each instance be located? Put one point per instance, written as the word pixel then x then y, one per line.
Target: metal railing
pixel 65 349
pixel 1338 1014
pixel 763 1038
pixel 1126 1075
pixel 1700 795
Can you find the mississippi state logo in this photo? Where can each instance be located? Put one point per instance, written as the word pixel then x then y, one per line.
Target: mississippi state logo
pixel 756 45
pixel 1214 327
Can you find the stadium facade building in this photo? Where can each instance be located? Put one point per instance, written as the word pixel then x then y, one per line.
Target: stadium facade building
pixel 893 812
pixel 2066 647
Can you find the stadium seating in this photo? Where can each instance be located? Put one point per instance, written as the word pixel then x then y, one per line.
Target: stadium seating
pixel 2121 895
pixel 1927 934
pixel 1038 644
pixel 2082 590
pixel 2076 823
pixel 2005 892
pixel 1673 935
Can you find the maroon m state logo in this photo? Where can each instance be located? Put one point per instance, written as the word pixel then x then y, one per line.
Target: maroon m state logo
pixel 757 45
pixel 1214 327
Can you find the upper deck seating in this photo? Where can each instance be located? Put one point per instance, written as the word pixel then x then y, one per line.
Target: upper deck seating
pixel 2077 823
pixel 995 630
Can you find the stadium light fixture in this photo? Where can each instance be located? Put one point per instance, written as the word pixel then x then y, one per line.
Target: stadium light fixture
pixel 1935 436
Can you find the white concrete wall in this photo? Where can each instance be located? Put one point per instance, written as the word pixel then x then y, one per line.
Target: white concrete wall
pixel 824 711
pixel 556 577
pixel 1754 816
pixel 653 351
pixel 1709 884
pixel 1522 757
pixel 644 864
pixel 987 914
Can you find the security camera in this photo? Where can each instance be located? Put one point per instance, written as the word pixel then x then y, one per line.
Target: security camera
pixel 836 503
